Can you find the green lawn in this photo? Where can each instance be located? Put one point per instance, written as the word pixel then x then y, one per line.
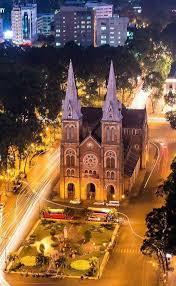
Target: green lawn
pixel 84 251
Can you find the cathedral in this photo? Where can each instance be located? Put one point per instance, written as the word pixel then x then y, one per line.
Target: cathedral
pixel 102 149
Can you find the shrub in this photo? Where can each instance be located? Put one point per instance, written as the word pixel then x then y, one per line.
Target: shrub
pixel 54 244
pixel 53 231
pixel 87 235
pixel 109 226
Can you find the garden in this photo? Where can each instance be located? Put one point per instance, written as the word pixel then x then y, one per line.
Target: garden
pixel 63 248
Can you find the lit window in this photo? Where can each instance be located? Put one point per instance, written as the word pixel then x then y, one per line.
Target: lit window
pixel 111 42
pixel 103 28
pixel 112 33
pixel 58 44
pixel 103 37
pixel 103 42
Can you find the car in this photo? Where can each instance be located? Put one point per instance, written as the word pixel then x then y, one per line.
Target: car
pixel 99 203
pixel 113 204
pixel 94 218
pixel 75 202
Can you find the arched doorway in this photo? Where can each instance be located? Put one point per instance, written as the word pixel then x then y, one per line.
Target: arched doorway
pixel 110 193
pixel 91 190
pixel 71 191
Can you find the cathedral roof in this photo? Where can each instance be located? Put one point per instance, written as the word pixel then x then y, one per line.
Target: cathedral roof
pixel 91 122
pixel 132 156
pixel 133 118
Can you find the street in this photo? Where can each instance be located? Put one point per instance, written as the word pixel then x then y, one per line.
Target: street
pixel 127 266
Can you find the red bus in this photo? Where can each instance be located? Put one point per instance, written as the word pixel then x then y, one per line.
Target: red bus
pixel 56 214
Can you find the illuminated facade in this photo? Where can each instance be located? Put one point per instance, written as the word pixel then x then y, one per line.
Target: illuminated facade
pixel 24 23
pixel 102 149
pixel 112 31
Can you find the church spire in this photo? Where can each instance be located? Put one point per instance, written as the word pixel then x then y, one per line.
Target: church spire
pixel 112 106
pixel 71 108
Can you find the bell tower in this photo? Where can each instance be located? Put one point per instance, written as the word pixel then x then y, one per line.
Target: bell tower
pixel 71 124
pixel 112 147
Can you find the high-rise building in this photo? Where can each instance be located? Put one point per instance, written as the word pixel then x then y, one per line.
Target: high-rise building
pixel 102 10
pixel 111 31
pixel 44 22
pixel 74 23
pixel 24 22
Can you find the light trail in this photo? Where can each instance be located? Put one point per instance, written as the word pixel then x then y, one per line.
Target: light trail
pixel 41 191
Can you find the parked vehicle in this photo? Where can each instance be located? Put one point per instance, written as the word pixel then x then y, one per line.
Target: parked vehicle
pixel 56 214
pixel 113 204
pixel 99 203
pixel 75 202
pixel 94 218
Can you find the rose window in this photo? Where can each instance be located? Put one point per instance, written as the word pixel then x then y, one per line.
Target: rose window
pixel 90 161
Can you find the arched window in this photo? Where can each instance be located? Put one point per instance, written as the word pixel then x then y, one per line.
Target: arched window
pixel 110 192
pixel 110 158
pixel 72 132
pixel 107 134
pixel 108 162
pixel 86 172
pixel 108 174
pixel 70 158
pixel 72 161
pixel 71 190
pixel 68 132
pixel 72 173
pixel 68 172
pixel 112 134
pixel 112 165
pixel 68 161
pixel 94 172
pixel 112 175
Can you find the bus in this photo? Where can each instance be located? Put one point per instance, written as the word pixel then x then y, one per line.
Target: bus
pixel 100 214
pixel 55 214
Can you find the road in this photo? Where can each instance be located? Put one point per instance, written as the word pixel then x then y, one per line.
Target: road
pixel 127 266
pixel 14 228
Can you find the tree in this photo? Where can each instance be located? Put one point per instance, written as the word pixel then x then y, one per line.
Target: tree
pixel 154 82
pixel 53 232
pixel 156 237
pixel 61 262
pixel 170 98
pixel 42 248
pixel 87 235
pixel 160 237
pixel 171 117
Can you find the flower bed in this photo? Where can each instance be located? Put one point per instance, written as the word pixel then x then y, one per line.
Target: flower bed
pixel 71 248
